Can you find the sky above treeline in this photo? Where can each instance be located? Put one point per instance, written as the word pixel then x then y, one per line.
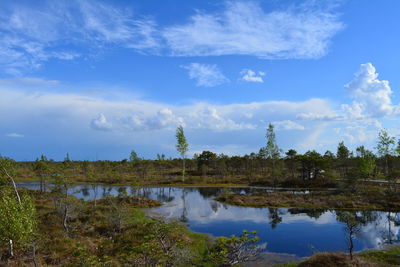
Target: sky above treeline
pixel 98 79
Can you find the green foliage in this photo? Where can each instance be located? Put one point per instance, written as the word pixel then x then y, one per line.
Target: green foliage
pixel 229 251
pixel 397 150
pixel 7 167
pixel 329 155
pixel 205 159
pixel 342 151
pixel 291 154
pixel 182 146
pixel 349 218
pixel 93 241
pixel 208 168
pixel 41 167
pixel 161 157
pixel 385 147
pixel 272 150
pixel 133 157
pixel 353 224
pixel 366 162
pixel 17 220
pixel 181 143
pixel 385 143
pixel 312 164
pixel 161 245
pixel 343 154
pixel 390 256
pixel 67 158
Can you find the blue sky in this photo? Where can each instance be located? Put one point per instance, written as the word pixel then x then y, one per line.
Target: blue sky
pixel 98 79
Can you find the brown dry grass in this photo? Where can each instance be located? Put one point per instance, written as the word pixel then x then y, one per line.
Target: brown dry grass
pixel 335 260
pixel 325 199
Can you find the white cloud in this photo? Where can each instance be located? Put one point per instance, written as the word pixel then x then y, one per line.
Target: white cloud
pixel 29 82
pixel 15 135
pixel 163 119
pixel 312 140
pixel 106 23
pixel 132 114
pixel 244 28
pixel 206 116
pixel 56 110
pixel 359 121
pixel 360 133
pixel 371 96
pixel 355 134
pixel 60 116
pixel 100 123
pixel 252 76
pixel 287 125
pixel 31 34
pixel 207 75
pixel 311 116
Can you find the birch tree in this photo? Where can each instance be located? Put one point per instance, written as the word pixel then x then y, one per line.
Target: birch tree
pixel 182 146
pixel 385 147
pixel 17 220
pixel 17 214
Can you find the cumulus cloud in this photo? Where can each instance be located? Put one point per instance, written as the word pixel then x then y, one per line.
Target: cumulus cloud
pixel 134 114
pixel 245 28
pixel 207 75
pixel 15 135
pixel 371 100
pixel 100 123
pixel 163 119
pixel 371 95
pixel 252 76
pixel 319 124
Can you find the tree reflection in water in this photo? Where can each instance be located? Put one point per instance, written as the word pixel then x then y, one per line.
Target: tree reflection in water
pixel 274 218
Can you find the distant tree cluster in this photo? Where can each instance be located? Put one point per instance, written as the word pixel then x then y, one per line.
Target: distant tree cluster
pixel 269 166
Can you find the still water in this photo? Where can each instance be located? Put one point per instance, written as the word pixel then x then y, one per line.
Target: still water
pixel 301 232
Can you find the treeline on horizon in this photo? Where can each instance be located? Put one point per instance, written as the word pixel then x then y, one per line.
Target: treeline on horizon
pixel 270 166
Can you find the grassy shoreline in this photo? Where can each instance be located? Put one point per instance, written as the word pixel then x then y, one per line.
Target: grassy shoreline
pixel 385 257
pixel 93 225
pixel 142 184
pixel 112 231
pixel 369 200
pixel 224 185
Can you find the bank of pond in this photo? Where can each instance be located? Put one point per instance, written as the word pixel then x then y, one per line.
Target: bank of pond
pixel 106 228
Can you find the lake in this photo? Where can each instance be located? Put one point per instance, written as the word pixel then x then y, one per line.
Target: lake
pixel 301 232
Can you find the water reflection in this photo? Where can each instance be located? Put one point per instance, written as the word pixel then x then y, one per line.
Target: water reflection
pixel 286 230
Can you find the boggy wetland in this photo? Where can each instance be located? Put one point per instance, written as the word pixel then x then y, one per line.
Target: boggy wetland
pixel 301 231
pixel 261 209
pixel 195 133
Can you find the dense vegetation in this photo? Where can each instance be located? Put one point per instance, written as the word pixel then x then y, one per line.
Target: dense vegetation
pixel 52 228
pixel 267 167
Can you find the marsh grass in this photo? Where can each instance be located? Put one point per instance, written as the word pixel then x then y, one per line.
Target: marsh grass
pixel 376 199
pixel 108 235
